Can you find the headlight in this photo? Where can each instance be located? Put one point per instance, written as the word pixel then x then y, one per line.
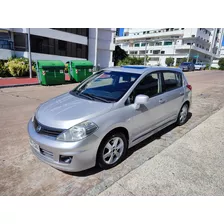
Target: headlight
pixel 78 132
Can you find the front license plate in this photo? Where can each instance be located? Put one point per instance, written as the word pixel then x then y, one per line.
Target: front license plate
pixel 34 145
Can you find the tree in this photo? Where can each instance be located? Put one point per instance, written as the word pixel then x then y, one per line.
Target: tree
pixel 221 63
pixel 181 60
pixel 169 61
pixel 132 61
pixel 119 54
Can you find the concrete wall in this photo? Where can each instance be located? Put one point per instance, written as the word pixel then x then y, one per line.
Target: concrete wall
pixel 37 56
pixel 105 46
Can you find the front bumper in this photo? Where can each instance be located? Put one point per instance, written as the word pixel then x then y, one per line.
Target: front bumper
pixel 83 152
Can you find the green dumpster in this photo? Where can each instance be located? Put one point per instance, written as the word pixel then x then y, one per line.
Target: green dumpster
pixel 50 72
pixel 79 70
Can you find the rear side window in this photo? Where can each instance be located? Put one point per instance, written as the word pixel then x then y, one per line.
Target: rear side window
pixel 171 80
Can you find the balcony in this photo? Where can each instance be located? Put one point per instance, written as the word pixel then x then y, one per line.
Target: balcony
pixel 152 35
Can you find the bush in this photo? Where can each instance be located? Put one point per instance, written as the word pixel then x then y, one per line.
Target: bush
pixel 132 61
pixel 4 72
pixel 169 61
pixel 66 68
pixel 181 61
pixel 221 63
pixel 18 67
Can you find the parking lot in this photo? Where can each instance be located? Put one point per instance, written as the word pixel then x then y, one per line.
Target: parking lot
pixel 23 174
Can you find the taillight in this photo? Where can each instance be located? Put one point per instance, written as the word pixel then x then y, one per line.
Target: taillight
pixel 189 87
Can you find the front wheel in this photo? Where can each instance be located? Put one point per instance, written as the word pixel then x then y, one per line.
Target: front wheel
pixel 182 117
pixel 112 150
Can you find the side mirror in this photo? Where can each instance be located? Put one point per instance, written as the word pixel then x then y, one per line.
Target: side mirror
pixel 140 100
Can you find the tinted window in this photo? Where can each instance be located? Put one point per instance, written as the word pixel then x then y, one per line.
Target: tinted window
pixel 56 47
pixel 108 85
pixel 149 86
pixel 20 41
pixel 172 80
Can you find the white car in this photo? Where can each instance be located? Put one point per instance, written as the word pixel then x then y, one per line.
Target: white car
pixel 200 66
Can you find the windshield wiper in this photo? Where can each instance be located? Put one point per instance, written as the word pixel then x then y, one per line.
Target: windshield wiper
pixel 79 93
pixel 98 98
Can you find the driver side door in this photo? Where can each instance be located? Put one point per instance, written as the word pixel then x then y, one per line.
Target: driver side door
pixel 151 115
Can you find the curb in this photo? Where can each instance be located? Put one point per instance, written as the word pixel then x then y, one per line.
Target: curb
pixel 19 85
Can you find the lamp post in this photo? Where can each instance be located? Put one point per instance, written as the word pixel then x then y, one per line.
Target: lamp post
pixel 29 49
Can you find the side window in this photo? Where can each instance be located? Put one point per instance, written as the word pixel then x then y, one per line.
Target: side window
pixel 149 85
pixel 172 80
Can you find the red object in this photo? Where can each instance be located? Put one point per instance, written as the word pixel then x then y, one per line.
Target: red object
pixel 189 87
pixel 22 81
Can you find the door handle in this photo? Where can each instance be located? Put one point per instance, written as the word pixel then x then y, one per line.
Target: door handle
pixel 162 101
pixel 181 93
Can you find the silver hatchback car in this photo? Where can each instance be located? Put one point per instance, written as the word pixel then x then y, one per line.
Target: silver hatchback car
pixel 108 113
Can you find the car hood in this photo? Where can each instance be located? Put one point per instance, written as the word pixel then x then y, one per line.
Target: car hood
pixel 68 110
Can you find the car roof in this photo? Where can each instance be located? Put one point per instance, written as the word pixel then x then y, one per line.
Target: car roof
pixel 140 69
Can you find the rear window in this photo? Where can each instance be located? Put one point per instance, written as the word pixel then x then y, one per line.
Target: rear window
pixel 172 80
pixel 185 63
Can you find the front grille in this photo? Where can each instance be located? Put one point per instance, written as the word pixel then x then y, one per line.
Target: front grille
pixel 44 130
pixel 46 153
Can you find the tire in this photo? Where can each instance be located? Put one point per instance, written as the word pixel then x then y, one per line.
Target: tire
pixel 183 115
pixel 107 156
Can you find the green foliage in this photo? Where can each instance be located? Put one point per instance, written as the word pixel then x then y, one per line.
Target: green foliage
pixel 119 55
pixel 66 68
pixel 132 61
pixel 169 61
pixel 18 67
pixel 181 61
pixel 221 63
pixel 4 72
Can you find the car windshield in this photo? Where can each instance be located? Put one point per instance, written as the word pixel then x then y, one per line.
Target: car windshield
pixel 106 86
pixel 185 63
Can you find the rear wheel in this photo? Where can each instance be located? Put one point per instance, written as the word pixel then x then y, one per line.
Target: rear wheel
pixel 182 117
pixel 112 150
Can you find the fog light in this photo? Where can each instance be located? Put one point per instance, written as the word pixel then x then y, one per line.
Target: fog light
pixel 65 159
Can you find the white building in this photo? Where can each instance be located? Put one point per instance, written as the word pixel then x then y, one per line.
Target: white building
pixel 197 44
pixel 96 45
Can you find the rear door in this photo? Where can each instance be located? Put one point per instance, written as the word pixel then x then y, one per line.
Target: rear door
pixel 173 93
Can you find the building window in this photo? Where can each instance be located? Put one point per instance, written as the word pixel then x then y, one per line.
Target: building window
pixel 144 32
pixel 182 28
pixel 78 31
pixel 162 52
pixel 150 51
pixel 156 52
pixel 143 44
pixel 168 43
pixel 137 45
pixel 158 43
pixel 20 42
pixel 57 47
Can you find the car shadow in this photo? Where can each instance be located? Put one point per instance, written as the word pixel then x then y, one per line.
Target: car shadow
pixel 140 145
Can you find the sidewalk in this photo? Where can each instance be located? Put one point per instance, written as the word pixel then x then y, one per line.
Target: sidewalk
pixel 9 82
pixel 15 82
pixel 193 165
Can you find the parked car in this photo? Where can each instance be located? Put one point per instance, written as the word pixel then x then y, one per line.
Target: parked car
pixel 200 66
pixel 187 66
pixel 108 113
